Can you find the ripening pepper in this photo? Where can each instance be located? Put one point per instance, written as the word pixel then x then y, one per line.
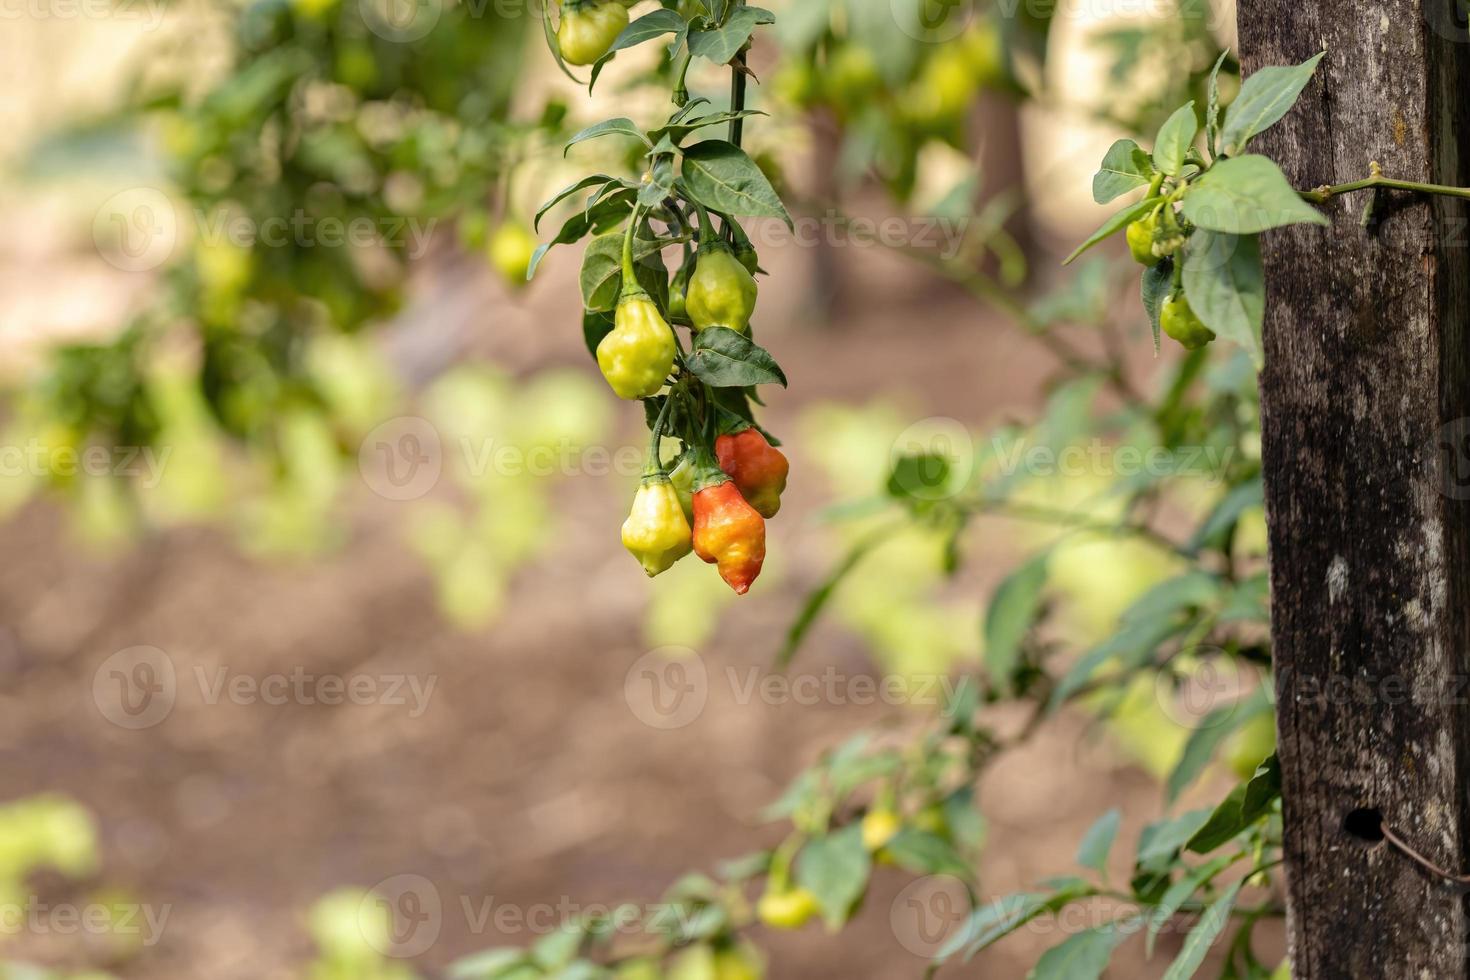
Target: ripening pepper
pixel 728 532
pixel 656 531
pixel 588 28
pixel 637 356
pixel 1179 321
pixel 758 468
pixel 721 292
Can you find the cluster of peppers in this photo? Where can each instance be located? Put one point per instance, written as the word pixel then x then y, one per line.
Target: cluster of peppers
pixel 728 480
pixel 1151 239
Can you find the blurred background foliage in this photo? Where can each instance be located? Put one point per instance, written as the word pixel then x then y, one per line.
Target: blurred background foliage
pixel 260 370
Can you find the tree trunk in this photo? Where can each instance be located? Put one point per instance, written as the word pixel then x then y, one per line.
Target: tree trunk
pixel 1366 374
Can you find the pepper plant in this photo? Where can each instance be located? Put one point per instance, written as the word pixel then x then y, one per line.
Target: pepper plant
pixel 693 192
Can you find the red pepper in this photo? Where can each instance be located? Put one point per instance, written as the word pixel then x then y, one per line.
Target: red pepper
pixel 758 468
pixel 728 532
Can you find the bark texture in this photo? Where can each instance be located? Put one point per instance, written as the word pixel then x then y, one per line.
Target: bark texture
pixel 1366 375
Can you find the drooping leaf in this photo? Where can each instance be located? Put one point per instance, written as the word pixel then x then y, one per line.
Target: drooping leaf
pixel 1158 282
pixel 566 192
pixel 725 358
pixel 610 127
pixel 723 177
pixel 1226 286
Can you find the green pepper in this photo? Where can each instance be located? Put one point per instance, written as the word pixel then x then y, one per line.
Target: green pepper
pixel 588 29
pixel 656 531
pixel 1179 321
pixel 637 356
pixel 789 908
pixel 1140 236
pixel 721 292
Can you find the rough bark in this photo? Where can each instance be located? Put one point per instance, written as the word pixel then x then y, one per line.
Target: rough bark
pixel 1366 373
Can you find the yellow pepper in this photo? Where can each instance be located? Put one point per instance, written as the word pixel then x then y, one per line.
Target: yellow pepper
pixel 656 531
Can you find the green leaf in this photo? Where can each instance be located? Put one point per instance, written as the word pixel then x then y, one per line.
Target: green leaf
pixel 1203 935
pixel 1175 139
pixel 1224 822
pixel 1190 590
pixel 1212 730
pixel 1246 195
pixel 1158 282
pixel 1264 98
pixel 1098 841
pixel 722 177
pixel 1180 892
pixel 650 26
pixel 488 964
pixel 602 269
pixel 835 869
pixel 1125 167
pixel 676 131
pixel 1226 286
pixel 1162 840
pixel 608 211
pixel 722 43
pixel 1012 611
pixel 725 358
pixel 609 127
pixel 1212 110
pixel 1133 646
pixel 924 853
pixel 997 919
pixel 1114 225
pixel 1082 957
pixel 1226 513
pixel 1262 791
pixel 568 191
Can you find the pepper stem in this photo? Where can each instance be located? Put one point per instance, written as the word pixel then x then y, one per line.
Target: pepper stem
pixel 630 274
pixel 706 229
pixel 655 465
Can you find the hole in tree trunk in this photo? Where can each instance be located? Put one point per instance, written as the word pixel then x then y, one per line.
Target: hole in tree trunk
pixel 1365 824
